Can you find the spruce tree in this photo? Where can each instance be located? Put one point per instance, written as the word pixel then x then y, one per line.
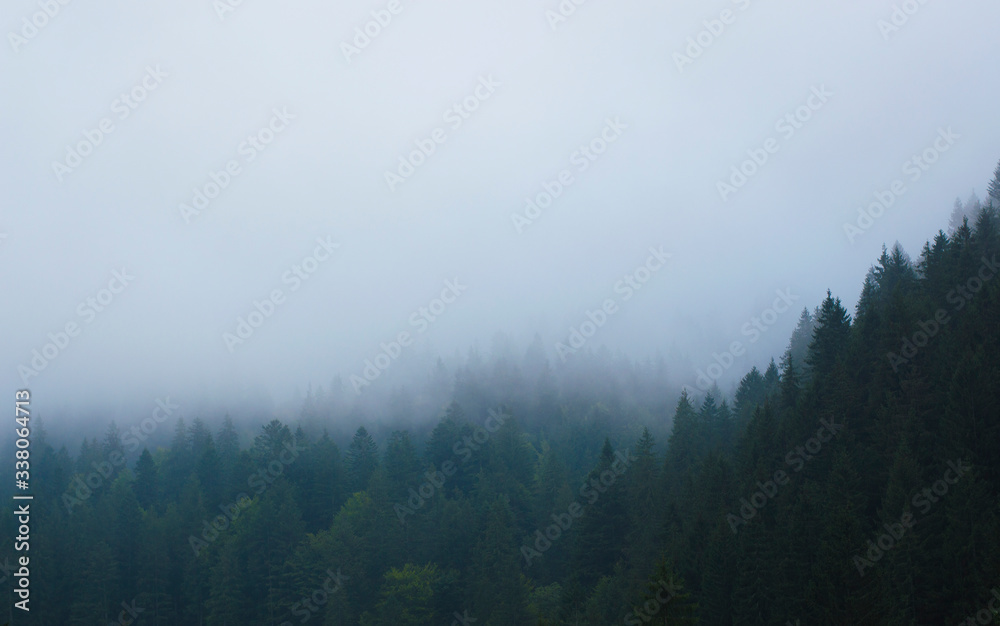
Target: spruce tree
pixel 362 459
pixel 994 186
pixel 830 338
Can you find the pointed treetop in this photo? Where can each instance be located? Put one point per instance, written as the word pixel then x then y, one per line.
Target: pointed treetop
pixel 644 447
pixel 771 376
pixel 685 400
pixel 833 329
pixel 994 186
pixel 607 452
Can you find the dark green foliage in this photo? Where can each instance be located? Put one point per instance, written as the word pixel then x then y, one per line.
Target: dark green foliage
pixel 362 459
pixel 830 338
pixel 994 186
pixel 751 513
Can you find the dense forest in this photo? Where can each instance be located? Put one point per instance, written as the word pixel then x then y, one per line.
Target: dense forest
pixel 853 481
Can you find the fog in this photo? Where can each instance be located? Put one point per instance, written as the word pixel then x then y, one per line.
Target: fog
pixel 602 109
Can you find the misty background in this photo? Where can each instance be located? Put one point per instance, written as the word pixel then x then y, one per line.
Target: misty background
pixel 324 176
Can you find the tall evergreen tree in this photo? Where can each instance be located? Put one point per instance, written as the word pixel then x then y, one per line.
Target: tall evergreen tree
pixel 498 589
pixel 362 459
pixel 994 186
pixel 830 339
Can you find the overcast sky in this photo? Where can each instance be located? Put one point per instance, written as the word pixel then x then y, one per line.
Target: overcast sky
pixel 339 116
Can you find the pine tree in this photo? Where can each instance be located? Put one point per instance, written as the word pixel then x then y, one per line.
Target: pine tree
pixel 112 443
pixel 227 446
pixel 271 442
pixel 200 438
pixel 772 378
pixel 749 394
pixel 789 382
pixel 994 186
pixel 445 439
pixel 322 484
pixel 986 232
pixel 798 345
pixel 498 589
pixel 227 442
pixel 682 445
pixel 178 465
pixel 957 216
pixel 402 467
pixel 972 206
pixel 830 338
pixel 362 459
pixel 642 500
pixel 604 525
pixel 146 482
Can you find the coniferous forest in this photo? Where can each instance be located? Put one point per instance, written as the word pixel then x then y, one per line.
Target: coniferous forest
pixel 853 481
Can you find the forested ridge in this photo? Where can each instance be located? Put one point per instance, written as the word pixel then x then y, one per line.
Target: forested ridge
pixel 854 481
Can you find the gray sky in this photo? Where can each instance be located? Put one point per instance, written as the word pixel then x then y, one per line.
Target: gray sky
pixel 553 87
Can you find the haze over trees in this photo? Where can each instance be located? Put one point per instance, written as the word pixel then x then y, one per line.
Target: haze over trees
pixel 853 481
